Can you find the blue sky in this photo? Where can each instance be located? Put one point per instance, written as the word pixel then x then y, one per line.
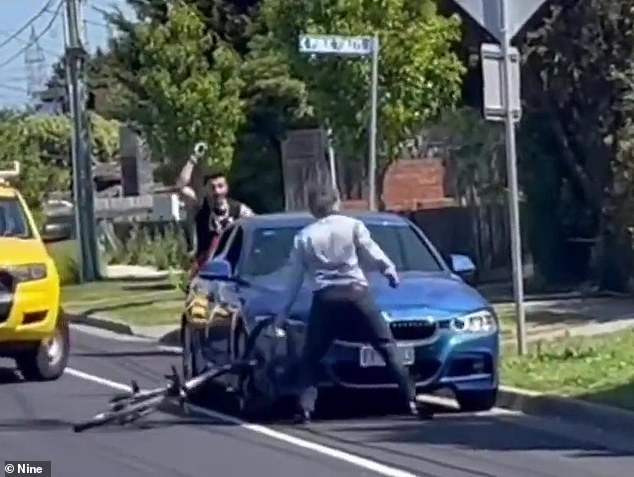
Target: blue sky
pixel 16 13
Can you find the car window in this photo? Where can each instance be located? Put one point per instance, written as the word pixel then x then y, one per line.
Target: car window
pixel 13 221
pixel 270 249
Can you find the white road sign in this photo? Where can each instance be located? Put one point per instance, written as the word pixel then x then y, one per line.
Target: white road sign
pixel 493 75
pixel 336 45
pixel 488 13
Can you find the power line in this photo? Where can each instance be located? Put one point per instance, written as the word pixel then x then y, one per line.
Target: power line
pixel 26 42
pixel 27 24
pixel 13 88
pixel 41 34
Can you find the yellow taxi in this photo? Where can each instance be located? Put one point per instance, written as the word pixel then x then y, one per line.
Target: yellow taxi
pixel 33 331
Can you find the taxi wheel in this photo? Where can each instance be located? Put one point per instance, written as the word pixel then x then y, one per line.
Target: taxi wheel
pixel 48 360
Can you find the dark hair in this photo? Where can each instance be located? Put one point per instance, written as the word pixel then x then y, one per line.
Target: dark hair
pixel 213 175
pixel 322 200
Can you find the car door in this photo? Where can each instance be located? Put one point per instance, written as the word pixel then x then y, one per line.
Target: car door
pixel 226 298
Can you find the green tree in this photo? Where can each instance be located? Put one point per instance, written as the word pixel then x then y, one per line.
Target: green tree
pixel 575 114
pixel 42 144
pixel 419 75
pixel 181 85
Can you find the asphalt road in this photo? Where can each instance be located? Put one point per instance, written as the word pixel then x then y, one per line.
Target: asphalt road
pixel 35 420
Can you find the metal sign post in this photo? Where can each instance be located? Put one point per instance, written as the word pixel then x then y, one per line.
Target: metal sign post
pixel 503 19
pixel 353 46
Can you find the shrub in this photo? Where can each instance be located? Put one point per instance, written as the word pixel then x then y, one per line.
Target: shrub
pixel 164 248
pixel 64 254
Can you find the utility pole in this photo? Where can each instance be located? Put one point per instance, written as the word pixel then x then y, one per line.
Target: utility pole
pixel 373 113
pixel 83 185
pixel 511 166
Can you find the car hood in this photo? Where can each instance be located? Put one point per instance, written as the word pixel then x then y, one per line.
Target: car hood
pixel 15 251
pixel 436 295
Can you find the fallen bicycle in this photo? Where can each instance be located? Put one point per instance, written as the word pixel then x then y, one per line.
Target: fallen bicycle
pixel 129 407
pixel 258 368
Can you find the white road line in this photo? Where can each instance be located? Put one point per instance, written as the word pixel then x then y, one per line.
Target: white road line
pixel 97 379
pixel 355 460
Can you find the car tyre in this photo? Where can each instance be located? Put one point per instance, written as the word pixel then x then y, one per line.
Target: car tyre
pixel 192 361
pixel 48 360
pixel 477 401
pixel 249 405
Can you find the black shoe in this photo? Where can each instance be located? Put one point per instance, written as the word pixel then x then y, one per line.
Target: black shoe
pixel 302 418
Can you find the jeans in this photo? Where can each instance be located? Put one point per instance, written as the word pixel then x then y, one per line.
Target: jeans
pixel 346 308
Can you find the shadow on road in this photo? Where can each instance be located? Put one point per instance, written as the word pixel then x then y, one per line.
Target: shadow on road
pixel 467 431
pixel 9 376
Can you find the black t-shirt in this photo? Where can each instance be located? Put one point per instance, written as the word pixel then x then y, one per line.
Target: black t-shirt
pixel 211 222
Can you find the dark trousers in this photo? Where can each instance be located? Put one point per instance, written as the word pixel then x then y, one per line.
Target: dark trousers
pixel 351 309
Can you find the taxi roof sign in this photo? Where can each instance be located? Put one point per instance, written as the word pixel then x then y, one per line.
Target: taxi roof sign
pixel 6 174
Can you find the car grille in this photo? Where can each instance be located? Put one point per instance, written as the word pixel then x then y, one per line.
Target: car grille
pixel 413 330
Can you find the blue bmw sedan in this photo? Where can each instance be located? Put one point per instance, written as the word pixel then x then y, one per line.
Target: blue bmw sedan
pixel 447 333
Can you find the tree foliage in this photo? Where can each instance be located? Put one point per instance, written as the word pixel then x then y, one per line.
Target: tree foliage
pixel 418 74
pixel 182 84
pixel 575 105
pixel 42 144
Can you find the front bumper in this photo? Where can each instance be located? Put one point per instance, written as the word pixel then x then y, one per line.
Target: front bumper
pixel 31 312
pixel 449 360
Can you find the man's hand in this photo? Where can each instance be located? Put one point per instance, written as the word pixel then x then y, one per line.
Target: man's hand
pixel 392 278
pixel 200 149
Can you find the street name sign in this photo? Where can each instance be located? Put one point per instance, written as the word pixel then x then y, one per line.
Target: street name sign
pixel 336 44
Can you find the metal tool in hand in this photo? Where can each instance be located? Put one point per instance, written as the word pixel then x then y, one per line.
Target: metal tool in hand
pixel 200 149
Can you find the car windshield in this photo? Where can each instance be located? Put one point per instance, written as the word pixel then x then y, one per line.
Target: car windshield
pixel 13 221
pixel 271 248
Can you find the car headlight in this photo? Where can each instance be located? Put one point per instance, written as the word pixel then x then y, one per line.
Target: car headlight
pixel 479 322
pixel 28 272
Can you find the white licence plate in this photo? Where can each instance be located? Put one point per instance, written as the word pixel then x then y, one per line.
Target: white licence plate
pixel 368 357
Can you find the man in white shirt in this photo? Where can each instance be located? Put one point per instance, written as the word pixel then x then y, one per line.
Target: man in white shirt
pixel 329 251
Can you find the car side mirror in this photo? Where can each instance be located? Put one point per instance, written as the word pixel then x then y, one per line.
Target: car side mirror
pixel 56 232
pixel 216 269
pixel 463 266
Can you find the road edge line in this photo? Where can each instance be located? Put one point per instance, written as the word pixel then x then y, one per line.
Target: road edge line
pixel 353 459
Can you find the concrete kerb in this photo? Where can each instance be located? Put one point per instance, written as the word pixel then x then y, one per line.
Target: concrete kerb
pixel 100 322
pixel 601 416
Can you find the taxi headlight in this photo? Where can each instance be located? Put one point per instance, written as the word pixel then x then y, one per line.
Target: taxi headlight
pixel 479 322
pixel 28 272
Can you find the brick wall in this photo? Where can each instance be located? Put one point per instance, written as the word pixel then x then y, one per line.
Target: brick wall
pixel 414 184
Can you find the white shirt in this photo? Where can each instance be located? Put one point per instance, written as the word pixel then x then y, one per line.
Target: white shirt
pixel 329 251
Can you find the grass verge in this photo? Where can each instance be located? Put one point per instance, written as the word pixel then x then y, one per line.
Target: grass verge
pixel 598 369
pixel 138 302
pixel 538 320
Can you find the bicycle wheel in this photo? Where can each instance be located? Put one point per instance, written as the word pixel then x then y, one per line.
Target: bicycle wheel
pixel 122 416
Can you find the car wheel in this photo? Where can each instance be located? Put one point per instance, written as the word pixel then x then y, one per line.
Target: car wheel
pixel 476 401
pixel 48 360
pixel 249 405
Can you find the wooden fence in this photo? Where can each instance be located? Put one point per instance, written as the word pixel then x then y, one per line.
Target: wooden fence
pixel 483 233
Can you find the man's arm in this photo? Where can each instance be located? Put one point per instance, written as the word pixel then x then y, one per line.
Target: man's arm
pixel 297 270
pixel 182 182
pixel 369 248
pixel 245 211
